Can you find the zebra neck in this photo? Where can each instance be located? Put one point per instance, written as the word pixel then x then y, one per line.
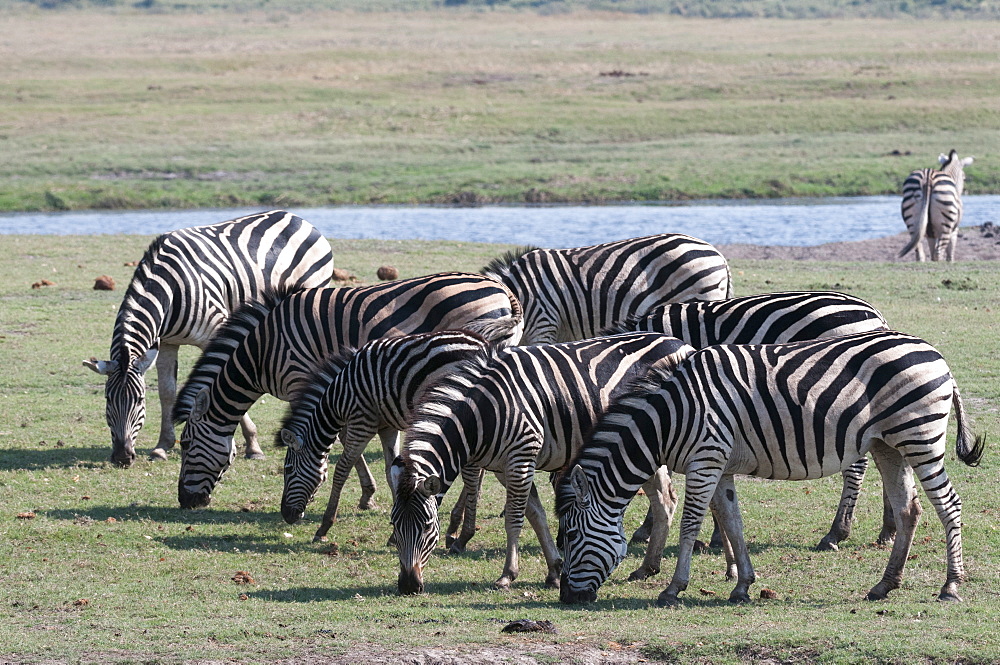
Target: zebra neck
pixel 142 317
pixel 445 463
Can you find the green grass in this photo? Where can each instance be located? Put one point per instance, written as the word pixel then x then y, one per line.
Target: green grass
pixel 157 580
pixel 273 107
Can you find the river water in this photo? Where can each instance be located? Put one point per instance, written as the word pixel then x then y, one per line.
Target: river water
pixel 794 222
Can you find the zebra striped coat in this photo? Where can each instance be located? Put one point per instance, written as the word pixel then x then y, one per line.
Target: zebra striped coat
pixel 525 408
pixel 776 318
pixel 272 346
pixel 354 396
pixel 572 294
pixel 186 285
pixel 932 207
pixel 787 412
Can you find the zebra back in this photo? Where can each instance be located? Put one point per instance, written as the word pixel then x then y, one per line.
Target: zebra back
pixel 767 318
pixel 571 294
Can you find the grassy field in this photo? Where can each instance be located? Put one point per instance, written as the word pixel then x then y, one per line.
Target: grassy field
pixel 109 569
pixel 270 107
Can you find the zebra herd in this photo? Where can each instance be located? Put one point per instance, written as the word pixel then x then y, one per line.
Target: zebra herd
pixel 611 366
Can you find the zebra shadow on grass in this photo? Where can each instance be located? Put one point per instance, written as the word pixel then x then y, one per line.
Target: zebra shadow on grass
pixel 359 593
pixel 55 456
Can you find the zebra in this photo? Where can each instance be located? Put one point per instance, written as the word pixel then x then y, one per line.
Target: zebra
pixel 572 294
pixel 522 409
pixel 355 395
pixel 271 346
pixel 775 318
pixel 186 284
pixel 932 207
pixel 790 412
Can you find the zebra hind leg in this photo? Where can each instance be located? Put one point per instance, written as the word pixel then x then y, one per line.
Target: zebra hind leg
pixel 897 478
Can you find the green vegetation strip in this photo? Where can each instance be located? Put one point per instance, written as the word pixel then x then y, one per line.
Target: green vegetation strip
pixel 109 569
pixel 274 107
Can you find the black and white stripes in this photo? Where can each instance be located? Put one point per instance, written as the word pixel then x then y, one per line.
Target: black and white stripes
pixel 272 346
pixel 183 289
pixel 932 207
pixel 572 294
pixel 789 412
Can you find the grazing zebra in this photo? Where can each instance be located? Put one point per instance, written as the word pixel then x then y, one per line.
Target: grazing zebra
pixel 272 346
pixel 775 318
pixel 789 412
pixel 514 412
pixel 932 207
pixel 187 283
pixel 572 294
pixel 354 396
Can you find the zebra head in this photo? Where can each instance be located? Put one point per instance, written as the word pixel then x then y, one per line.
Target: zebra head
pixel 955 168
pixel 415 525
pixel 202 467
pixel 125 401
pixel 305 470
pixel 591 537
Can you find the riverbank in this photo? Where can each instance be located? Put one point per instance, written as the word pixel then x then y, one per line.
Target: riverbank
pixel 131 110
pixel 975 243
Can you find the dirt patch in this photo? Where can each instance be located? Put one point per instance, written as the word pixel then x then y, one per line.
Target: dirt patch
pixel 975 243
pixel 527 654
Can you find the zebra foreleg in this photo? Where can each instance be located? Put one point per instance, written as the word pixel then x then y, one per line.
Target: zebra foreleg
pixel 518 482
pixel 726 507
pixel 166 383
pixel 698 491
pixel 472 479
pixel 251 447
pixel 536 517
pixel 897 478
pixel 662 504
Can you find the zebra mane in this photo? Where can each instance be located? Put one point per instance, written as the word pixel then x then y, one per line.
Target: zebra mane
pixel 501 265
pixel 311 391
pixel 622 328
pixel 434 405
pixel 130 303
pixel 225 341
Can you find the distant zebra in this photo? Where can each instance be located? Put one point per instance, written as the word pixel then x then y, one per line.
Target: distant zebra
pixel 272 346
pixel 515 412
pixel 775 318
pixel 353 396
pixel 185 286
pixel 932 207
pixel 572 294
pixel 789 412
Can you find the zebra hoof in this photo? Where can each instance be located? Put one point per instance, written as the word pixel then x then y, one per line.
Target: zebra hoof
pixel 739 597
pixel 667 599
pixel 255 455
pixel 158 455
pixel 456 548
pixel 641 574
pixel 949 598
pixel 827 545
pixel 877 595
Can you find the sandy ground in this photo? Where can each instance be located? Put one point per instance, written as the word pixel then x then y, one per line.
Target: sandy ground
pixel 975 243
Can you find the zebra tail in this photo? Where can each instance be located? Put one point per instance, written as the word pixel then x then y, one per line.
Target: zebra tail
pixel 501 332
pixel 917 235
pixel 971 455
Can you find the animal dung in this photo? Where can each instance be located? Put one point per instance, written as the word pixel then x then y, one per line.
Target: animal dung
pixel 341 275
pixel 243 577
pixel 529 626
pixel 104 283
pixel 768 594
pixel 387 273
pixel 26 516
pixel 42 282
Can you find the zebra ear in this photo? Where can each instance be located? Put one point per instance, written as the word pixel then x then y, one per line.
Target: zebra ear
pixel 102 367
pixel 200 406
pixel 144 362
pixel 581 487
pixel 396 472
pixel 430 486
pixel 967 161
pixel 942 158
pixel 289 438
